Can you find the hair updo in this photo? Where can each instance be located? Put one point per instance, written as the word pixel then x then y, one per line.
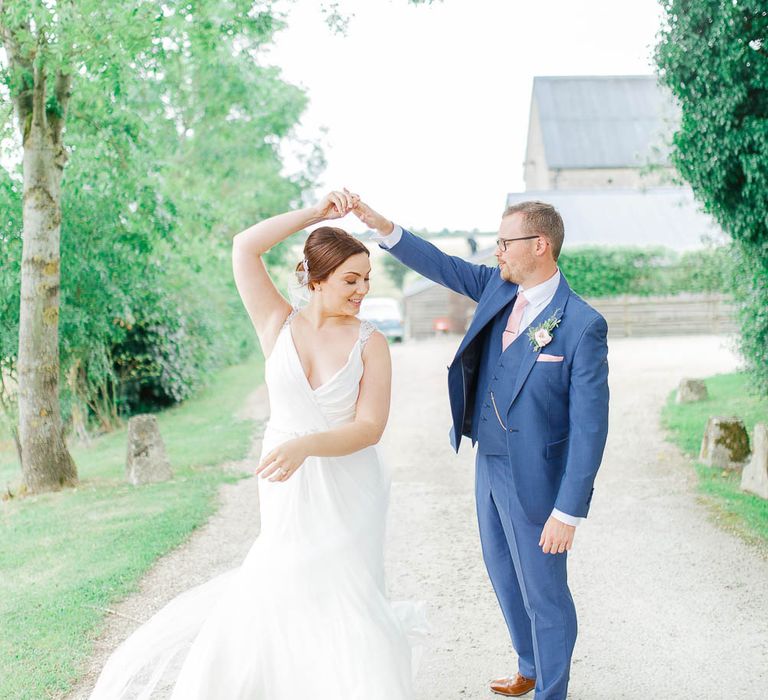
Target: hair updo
pixel 325 250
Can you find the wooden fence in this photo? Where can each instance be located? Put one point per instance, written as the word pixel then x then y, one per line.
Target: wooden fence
pixel 683 314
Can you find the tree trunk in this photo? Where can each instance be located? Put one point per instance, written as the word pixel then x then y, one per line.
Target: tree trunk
pixel 46 462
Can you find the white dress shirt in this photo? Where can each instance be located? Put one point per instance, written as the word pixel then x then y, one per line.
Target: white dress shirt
pixel 538 298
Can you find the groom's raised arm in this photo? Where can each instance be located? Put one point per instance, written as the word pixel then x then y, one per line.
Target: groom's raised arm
pixel 451 271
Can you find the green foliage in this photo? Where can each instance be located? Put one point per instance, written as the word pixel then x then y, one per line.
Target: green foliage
pixel 173 133
pixel 10 272
pixel 751 290
pixel 598 272
pixel 607 272
pixel 395 270
pixel 338 18
pixel 10 266
pixel 729 395
pixel 714 58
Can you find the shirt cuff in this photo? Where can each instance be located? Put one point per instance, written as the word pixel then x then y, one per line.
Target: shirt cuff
pixel 390 240
pixel 565 518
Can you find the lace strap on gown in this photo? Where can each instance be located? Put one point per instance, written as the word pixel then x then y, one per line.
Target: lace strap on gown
pixel 367 329
pixel 294 311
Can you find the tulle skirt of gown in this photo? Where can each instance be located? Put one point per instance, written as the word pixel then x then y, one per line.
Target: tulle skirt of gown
pixel 305 615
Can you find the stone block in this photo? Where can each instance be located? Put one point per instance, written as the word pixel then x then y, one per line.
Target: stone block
pixel 725 444
pixel 754 478
pixel 691 390
pixel 147 461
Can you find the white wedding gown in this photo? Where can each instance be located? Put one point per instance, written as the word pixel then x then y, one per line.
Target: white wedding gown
pixel 305 615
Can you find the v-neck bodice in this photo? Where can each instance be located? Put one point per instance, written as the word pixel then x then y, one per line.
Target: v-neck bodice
pixel 292 342
pixel 296 407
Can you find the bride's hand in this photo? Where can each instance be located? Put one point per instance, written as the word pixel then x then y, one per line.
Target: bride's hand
pixel 335 205
pixel 281 463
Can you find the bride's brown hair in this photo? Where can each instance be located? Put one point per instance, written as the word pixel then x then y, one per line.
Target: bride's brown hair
pixel 325 250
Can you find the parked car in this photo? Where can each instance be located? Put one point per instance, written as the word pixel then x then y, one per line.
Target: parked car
pixel 384 313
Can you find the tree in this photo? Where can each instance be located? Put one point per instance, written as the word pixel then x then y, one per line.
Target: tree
pixel 41 88
pixel 93 53
pixel 161 176
pixel 713 56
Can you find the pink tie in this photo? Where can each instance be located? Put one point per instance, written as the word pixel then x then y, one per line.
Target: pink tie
pixel 513 324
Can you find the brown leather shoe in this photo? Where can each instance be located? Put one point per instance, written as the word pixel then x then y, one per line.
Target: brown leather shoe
pixel 513 687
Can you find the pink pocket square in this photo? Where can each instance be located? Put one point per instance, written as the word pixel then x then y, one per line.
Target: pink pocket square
pixel 543 357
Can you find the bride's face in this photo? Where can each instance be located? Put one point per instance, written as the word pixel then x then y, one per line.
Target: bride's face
pixel 346 286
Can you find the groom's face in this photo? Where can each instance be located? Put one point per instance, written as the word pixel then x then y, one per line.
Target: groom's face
pixel 518 262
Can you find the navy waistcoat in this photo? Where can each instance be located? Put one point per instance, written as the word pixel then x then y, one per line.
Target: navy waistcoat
pixel 495 384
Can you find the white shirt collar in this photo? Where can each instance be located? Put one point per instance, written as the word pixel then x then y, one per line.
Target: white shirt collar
pixel 542 293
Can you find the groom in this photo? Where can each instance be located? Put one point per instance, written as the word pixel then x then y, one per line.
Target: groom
pixel 529 386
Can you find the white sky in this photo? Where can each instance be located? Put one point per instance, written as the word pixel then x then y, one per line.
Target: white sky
pixel 426 108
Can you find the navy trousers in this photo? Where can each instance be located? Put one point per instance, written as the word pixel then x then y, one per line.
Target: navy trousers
pixel 532 587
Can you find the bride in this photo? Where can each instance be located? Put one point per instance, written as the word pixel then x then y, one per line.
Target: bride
pixel 305 615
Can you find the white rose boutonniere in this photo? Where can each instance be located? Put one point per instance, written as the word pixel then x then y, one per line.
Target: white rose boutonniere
pixel 541 335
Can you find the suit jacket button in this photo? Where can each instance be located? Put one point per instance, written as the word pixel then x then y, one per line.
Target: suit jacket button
pixel 514 430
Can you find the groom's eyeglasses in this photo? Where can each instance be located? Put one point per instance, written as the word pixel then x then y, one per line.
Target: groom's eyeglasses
pixel 502 242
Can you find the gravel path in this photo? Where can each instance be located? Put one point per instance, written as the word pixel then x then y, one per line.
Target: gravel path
pixel 670 605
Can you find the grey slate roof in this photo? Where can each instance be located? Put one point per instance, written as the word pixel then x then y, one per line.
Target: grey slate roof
pixel 604 121
pixel 658 216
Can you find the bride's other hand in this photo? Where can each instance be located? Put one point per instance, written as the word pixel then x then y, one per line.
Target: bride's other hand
pixel 335 205
pixel 372 219
pixel 282 462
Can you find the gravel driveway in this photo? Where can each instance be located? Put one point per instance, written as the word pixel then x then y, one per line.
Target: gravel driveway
pixel 670 605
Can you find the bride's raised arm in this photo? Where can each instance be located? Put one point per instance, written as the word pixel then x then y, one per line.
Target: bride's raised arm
pixel 265 305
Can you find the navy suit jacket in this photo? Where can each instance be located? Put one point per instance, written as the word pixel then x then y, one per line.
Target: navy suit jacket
pixel 555 414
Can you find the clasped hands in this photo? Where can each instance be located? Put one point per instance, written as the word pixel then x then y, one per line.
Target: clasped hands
pixel 339 203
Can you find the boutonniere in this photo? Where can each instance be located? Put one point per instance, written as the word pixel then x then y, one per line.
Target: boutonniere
pixel 541 335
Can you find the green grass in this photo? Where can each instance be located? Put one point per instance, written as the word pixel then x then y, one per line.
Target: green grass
pixel 729 395
pixel 65 556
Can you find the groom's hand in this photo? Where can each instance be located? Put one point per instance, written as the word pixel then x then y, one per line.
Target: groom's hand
pixel 372 219
pixel 556 537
